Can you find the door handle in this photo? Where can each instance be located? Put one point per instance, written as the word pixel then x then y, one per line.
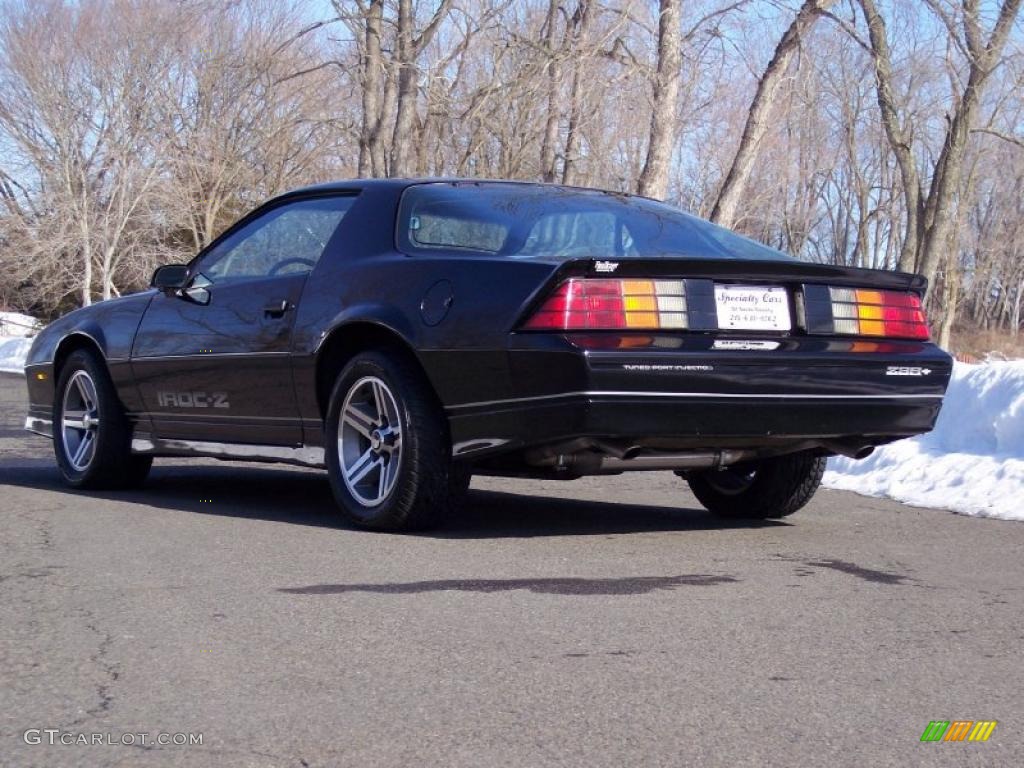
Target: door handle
pixel 277 308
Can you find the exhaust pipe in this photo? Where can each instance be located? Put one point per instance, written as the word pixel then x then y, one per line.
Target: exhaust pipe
pixel 590 463
pixel 850 450
pixel 673 461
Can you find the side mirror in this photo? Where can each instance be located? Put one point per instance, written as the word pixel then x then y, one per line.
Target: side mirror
pixel 169 277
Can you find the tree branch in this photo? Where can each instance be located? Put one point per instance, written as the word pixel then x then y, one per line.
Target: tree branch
pixel 1018 140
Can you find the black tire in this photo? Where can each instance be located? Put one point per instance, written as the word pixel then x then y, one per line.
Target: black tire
pixel 425 485
pixel 109 462
pixel 760 490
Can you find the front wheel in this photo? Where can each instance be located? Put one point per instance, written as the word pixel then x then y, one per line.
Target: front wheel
pixel 387 447
pixel 759 490
pixel 91 435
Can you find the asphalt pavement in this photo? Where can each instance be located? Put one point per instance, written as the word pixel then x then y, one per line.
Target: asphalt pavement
pixel 601 622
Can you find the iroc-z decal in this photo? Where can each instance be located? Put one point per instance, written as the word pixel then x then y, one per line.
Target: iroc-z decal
pixel 193 399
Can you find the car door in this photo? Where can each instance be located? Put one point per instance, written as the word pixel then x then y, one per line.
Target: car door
pixel 212 361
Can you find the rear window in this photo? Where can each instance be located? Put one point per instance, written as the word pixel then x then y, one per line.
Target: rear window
pixel 533 221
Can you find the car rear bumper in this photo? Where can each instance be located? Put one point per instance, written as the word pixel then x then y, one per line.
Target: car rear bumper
pixel 691 395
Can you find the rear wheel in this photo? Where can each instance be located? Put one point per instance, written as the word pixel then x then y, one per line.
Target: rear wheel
pixel 387 447
pixel 91 435
pixel 758 490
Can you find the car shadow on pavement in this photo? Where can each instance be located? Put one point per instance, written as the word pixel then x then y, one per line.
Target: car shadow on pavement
pixel 303 497
pixel 497 514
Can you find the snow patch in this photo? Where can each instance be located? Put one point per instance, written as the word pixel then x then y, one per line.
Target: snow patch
pixel 16 332
pixel 973 461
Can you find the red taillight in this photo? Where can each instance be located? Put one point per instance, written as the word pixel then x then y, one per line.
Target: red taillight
pixel 581 304
pixel 892 314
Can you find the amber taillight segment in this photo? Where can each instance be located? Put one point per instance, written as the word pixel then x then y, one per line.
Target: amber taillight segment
pixel 889 314
pixel 585 304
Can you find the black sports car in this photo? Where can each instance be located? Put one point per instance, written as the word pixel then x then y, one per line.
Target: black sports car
pixel 407 334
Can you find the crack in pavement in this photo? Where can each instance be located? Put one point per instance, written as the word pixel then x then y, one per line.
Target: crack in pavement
pixel 110 670
pixel 37 572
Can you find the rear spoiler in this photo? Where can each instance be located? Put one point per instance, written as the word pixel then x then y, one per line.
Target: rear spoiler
pixel 737 270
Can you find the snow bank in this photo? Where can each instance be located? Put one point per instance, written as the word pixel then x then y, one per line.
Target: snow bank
pixel 17 324
pixel 16 331
pixel 972 463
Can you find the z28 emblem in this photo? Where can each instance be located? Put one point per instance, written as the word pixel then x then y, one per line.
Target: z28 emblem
pixel 905 370
pixel 193 399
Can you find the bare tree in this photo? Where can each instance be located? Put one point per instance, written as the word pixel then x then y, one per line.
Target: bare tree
pixel 898 133
pixel 235 124
pixel 410 45
pixel 389 79
pixel 930 217
pixel 761 107
pixel 135 132
pixel 581 23
pixel 548 149
pixel 375 105
pixel 79 110
pixel 654 177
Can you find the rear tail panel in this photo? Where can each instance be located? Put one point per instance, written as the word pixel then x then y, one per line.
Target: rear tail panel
pixel 786 377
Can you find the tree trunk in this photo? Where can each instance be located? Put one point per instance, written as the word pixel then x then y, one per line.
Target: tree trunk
pixel 1015 314
pixel 107 276
pixel 86 236
pixel 402 155
pixel 373 68
pixel 654 177
pixel 547 147
pixel 735 183
pixel 573 141
pixel 86 276
pixel 899 141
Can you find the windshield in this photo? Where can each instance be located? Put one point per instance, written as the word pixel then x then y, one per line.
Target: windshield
pixel 534 221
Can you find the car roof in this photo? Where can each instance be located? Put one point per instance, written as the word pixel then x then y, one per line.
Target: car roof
pixel 398 184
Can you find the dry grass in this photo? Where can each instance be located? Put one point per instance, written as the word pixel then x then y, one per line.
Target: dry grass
pixel 968 343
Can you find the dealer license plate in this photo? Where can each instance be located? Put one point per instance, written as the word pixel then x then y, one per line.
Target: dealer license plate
pixel 752 307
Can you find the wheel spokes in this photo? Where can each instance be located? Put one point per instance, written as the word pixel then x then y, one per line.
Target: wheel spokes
pixel 84 449
pixel 361 422
pixel 80 420
pixel 363 466
pixel 369 441
pixel 75 419
pixel 382 479
pixel 86 392
pixel 379 401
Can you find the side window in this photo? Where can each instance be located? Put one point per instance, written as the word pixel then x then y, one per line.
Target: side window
pixel 287 240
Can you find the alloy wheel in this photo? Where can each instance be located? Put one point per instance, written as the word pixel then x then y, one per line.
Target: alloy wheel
pixel 370 441
pixel 80 420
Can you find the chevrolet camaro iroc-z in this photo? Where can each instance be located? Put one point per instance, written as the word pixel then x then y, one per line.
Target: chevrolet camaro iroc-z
pixel 407 334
